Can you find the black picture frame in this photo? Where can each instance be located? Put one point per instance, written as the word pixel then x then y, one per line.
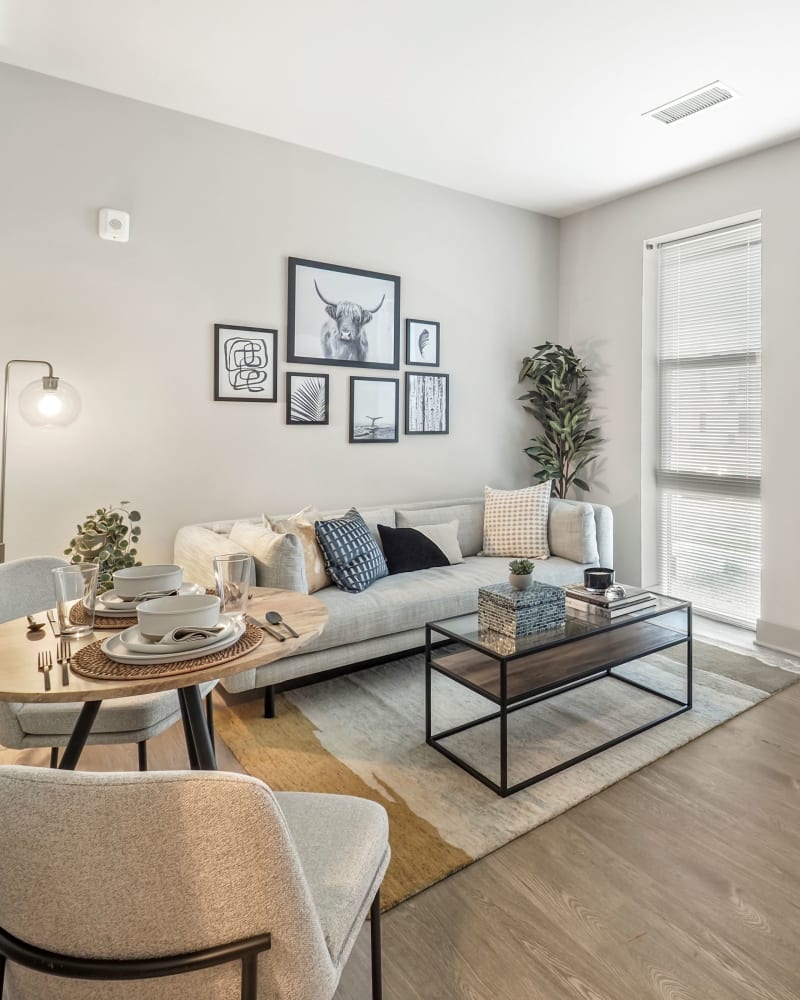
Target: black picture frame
pixel 307 399
pixel 417 344
pixel 317 294
pixel 361 399
pixel 421 418
pixel 245 365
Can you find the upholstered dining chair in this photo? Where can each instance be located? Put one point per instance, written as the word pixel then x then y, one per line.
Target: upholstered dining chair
pixel 26 587
pixel 208 879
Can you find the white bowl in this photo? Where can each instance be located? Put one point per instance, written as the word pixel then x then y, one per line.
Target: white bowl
pixel 163 614
pixel 137 580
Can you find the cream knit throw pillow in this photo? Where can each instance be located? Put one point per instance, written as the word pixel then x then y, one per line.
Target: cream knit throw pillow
pixel 515 522
pixel 302 525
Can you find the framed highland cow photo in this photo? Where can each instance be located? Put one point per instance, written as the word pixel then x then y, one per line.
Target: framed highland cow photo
pixel 342 316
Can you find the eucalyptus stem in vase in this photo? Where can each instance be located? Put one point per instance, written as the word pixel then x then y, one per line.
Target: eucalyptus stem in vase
pixel 107 537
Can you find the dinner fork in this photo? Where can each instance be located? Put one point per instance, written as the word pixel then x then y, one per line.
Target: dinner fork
pixel 64 659
pixel 45 663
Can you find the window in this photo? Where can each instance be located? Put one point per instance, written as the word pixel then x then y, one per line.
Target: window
pixel 708 476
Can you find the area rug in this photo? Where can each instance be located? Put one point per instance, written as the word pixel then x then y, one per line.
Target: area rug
pixel 363 734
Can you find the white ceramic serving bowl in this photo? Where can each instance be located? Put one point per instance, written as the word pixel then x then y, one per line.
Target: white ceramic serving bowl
pixel 163 614
pixel 135 580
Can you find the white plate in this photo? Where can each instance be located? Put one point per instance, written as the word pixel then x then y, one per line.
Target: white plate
pixel 114 649
pixel 124 609
pixel 133 640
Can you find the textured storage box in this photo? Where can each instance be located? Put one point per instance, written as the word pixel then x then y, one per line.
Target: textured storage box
pixel 511 612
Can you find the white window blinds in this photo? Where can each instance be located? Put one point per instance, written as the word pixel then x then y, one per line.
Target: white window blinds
pixel 708 476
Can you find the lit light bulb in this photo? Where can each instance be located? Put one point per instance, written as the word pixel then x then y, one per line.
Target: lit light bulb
pixel 49 402
pixel 49 405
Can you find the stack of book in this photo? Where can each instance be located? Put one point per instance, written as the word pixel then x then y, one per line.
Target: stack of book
pixel 600 608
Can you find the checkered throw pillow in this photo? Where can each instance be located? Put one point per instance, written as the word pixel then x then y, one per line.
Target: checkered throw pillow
pixel 352 557
pixel 515 522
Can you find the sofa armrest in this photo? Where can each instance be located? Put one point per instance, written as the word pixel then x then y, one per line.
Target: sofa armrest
pixel 604 525
pixel 195 548
pixel 582 532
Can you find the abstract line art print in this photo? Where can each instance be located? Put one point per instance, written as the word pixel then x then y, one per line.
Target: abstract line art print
pixel 427 404
pixel 245 364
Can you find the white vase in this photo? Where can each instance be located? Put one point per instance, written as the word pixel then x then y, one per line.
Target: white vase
pixel 520 581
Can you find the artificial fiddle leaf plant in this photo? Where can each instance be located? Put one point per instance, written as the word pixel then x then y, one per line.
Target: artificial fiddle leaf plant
pixel 107 537
pixel 559 400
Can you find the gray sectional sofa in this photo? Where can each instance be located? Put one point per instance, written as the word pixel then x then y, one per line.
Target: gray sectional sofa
pixel 389 617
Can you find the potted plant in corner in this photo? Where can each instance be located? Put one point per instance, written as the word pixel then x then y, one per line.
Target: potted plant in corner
pixel 108 537
pixel 520 573
pixel 559 400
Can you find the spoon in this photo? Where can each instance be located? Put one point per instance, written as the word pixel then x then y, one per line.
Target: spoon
pixel 275 619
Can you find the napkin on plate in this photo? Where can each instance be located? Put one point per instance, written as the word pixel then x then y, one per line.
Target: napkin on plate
pixel 189 633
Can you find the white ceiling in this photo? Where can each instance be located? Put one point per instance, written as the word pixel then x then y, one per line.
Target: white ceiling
pixel 530 103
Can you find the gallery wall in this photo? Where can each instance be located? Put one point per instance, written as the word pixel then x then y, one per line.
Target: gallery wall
pixel 215 213
pixel 601 314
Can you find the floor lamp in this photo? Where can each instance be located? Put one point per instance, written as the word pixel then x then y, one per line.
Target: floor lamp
pixel 46 402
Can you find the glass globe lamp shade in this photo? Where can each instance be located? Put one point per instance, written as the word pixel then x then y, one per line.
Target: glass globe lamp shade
pixel 49 402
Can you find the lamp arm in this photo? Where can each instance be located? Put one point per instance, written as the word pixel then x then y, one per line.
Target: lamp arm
pixel 14 361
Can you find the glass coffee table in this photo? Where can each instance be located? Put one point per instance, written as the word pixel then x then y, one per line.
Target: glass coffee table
pixel 514 674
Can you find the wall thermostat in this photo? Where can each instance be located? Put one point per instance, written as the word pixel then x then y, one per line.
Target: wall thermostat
pixel 114 224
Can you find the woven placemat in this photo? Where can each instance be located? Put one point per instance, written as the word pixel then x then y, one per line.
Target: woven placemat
pixel 78 616
pixel 92 662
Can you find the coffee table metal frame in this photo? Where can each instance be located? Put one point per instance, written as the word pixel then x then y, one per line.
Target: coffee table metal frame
pixel 514 674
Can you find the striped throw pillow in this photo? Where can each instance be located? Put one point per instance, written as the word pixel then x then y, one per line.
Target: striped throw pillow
pixel 515 522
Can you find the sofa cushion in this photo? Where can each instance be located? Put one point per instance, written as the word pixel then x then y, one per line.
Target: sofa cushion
pixel 278 559
pixel 468 515
pixel 373 516
pixel 515 522
pixel 302 525
pixel 352 556
pixel 407 600
pixel 410 549
pixel 572 532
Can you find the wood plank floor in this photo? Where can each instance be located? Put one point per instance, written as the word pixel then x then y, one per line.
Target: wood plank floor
pixel 681 882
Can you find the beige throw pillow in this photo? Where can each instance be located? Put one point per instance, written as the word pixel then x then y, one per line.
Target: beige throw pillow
pixel 515 522
pixel 302 525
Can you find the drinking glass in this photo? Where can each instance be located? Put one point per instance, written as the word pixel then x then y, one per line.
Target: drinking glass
pixel 232 577
pixel 75 585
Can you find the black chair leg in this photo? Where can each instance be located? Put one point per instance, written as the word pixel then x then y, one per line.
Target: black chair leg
pixel 210 717
pixel 269 702
pixel 375 941
pixel 53 762
pixel 142 748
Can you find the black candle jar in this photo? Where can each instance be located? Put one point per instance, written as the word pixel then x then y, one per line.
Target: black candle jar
pixel 597 579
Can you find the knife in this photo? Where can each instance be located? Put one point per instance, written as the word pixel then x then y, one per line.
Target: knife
pixel 266 628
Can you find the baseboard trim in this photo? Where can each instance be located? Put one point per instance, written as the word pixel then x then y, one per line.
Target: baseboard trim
pixel 781 638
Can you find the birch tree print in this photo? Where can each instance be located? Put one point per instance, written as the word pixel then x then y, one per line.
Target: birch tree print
pixel 427 404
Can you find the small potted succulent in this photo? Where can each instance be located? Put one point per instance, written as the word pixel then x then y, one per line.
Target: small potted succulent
pixel 520 573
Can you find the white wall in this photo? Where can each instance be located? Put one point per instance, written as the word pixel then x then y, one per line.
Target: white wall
pixel 215 214
pixel 601 315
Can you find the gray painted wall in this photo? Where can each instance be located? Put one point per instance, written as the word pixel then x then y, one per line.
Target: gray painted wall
pixel 601 314
pixel 215 214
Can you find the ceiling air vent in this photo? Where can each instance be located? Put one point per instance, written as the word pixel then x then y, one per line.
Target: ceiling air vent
pixel 690 104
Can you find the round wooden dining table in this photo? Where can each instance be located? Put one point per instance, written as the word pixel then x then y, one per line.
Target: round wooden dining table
pixel 21 681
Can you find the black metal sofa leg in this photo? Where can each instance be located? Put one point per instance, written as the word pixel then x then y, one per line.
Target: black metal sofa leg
pixel 53 762
pixel 142 748
pixel 375 941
